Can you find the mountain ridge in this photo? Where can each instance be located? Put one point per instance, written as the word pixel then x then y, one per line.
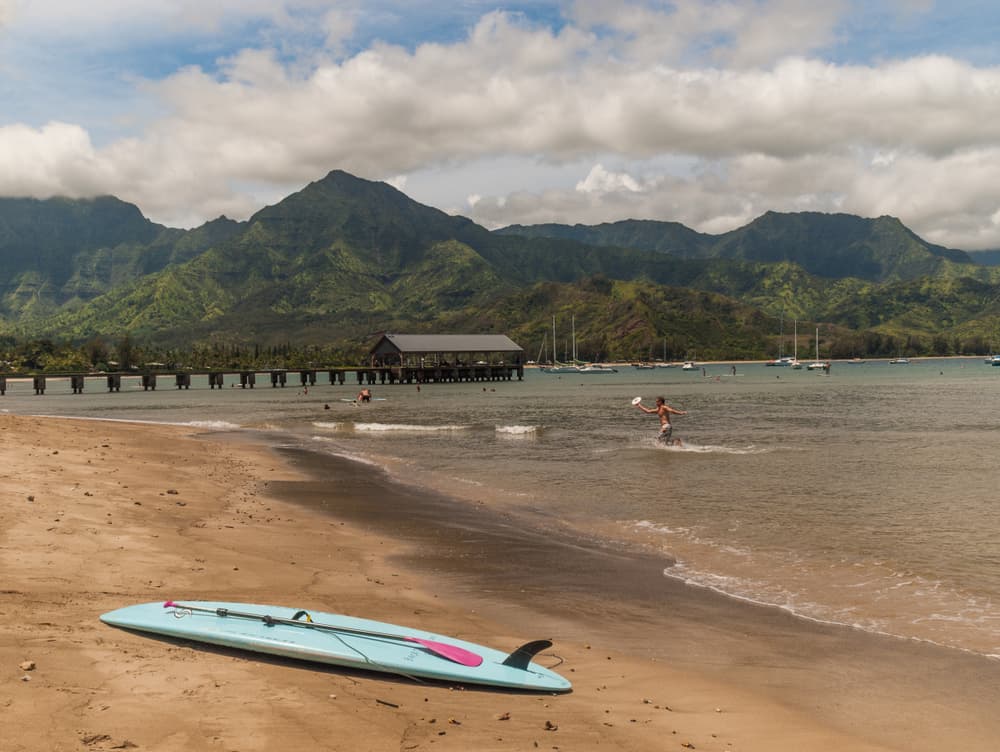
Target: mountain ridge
pixel 829 245
pixel 345 257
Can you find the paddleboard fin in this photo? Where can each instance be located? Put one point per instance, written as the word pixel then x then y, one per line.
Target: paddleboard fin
pixel 521 657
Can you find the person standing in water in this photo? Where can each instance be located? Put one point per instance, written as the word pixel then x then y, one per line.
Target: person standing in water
pixel 664 411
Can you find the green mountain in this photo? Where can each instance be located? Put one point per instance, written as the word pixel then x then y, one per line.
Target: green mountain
pixel 988 258
pixel 342 254
pixel 58 254
pixel 345 258
pixel 827 245
pixel 665 237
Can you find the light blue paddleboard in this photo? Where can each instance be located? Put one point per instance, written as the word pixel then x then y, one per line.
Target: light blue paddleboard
pixel 341 641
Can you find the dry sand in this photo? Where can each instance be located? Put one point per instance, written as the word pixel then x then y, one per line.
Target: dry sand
pixel 98 515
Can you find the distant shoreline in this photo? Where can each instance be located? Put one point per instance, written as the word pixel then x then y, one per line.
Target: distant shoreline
pixel 679 363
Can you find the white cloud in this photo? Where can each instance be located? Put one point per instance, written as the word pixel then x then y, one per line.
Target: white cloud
pixel 106 17
pixel 387 109
pixel 703 112
pixel 600 181
pixel 55 160
pixel 951 201
pixel 338 26
pixel 734 32
pixel 6 12
pixel 398 182
pixel 780 28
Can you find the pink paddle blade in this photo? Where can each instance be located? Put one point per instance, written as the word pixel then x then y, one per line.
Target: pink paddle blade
pixel 451 652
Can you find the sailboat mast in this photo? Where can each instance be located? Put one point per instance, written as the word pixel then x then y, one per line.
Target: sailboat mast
pixel 555 342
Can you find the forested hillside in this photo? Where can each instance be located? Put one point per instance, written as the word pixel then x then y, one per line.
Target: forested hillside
pixel 344 258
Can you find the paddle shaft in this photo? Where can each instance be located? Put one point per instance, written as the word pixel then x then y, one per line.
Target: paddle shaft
pixel 451 652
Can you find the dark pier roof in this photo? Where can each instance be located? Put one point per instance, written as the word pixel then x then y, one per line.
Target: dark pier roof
pixel 445 343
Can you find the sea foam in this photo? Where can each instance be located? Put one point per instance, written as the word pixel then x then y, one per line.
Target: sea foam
pixel 517 430
pixel 405 427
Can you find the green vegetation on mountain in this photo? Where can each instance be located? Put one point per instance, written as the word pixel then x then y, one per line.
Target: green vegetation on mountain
pixel 827 245
pixel 59 254
pixel 343 259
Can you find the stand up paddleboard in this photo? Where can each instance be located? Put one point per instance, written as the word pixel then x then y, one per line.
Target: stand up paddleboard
pixel 342 641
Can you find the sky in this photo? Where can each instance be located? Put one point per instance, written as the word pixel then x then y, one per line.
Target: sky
pixel 704 112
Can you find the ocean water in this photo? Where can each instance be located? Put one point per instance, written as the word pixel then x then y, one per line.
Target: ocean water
pixel 868 497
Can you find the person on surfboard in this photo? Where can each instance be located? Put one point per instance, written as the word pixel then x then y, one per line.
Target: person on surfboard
pixel 365 395
pixel 664 411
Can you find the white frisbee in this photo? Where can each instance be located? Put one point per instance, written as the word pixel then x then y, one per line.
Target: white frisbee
pixel 637 400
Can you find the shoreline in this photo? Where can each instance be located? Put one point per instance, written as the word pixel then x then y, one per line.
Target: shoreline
pixel 679 363
pixel 125 513
pixel 594 585
pixel 21 377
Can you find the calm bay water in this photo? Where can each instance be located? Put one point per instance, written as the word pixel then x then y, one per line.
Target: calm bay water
pixel 866 497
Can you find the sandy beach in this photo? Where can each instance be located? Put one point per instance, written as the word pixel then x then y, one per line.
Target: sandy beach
pixel 99 515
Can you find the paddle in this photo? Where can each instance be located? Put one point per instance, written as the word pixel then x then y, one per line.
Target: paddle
pixel 451 652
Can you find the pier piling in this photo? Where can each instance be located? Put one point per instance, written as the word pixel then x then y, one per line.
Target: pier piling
pixel 371 375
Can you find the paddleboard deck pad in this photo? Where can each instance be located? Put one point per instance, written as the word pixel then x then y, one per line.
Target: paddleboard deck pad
pixel 341 640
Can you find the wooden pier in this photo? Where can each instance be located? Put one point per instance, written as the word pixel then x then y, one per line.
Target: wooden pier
pixel 305 377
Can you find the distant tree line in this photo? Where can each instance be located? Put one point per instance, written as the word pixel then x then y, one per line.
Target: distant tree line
pixel 878 345
pixel 46 355
pixel 125 354
pixel 840 345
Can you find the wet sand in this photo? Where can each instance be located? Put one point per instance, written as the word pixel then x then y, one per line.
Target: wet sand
pixel 97 515
pixel 893 689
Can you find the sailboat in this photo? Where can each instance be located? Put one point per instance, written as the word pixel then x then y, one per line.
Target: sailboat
pixel 817 364
pixel 556 366
pixel 782 359
pixel 573 367
pixel 796 363
pixel 663 363
pixel 541 350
